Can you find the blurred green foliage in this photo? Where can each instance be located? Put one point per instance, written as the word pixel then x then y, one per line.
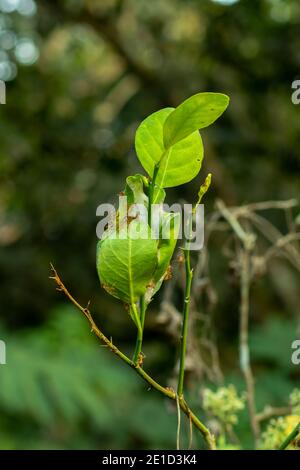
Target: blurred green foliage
pixel 80 76
pixel 65 391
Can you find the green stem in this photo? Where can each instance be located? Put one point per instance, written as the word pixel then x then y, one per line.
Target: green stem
pixel 151 194
pixel 143 308
pixel 290 437
pixel 188 285
pixel 185 320
pixel 139 333
pixel 139 339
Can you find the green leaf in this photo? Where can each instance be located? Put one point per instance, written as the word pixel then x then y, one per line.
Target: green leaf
pixel 166 247
pixel 126 265
pixel 159 195
pixel 177 165
pixel 134 190
pixel 195 113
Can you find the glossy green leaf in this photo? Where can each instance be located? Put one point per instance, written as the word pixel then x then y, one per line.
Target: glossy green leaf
pixel 177 165
pixel 149 143
pixel 195 113
pixel 126 264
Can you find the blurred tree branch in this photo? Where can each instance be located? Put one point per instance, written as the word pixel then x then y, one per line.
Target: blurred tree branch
pixel 247 240
pixel 270 412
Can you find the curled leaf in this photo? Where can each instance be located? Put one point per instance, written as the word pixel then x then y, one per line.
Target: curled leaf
pixel 126 262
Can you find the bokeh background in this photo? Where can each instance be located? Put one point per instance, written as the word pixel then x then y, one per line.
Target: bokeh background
pixel 80 76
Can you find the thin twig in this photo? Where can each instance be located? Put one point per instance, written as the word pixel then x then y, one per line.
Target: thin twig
pixel 167 392
pixel 281 244
pixel 265 205
pixel 244 343
pixel 272 234
pixel 247 239
pixel 269 412
pixel 247 244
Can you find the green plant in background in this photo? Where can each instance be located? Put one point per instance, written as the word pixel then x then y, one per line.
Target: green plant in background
pixel 224 404
pixel 283 432
pixel 50 389
pixel 132 263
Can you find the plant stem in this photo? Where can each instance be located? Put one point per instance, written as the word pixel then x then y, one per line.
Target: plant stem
pixel 151 194
pixel 188 285
pixel 139 339
pixel 167 392
pixel 143 308
pixel 290 437
pixel 184 330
